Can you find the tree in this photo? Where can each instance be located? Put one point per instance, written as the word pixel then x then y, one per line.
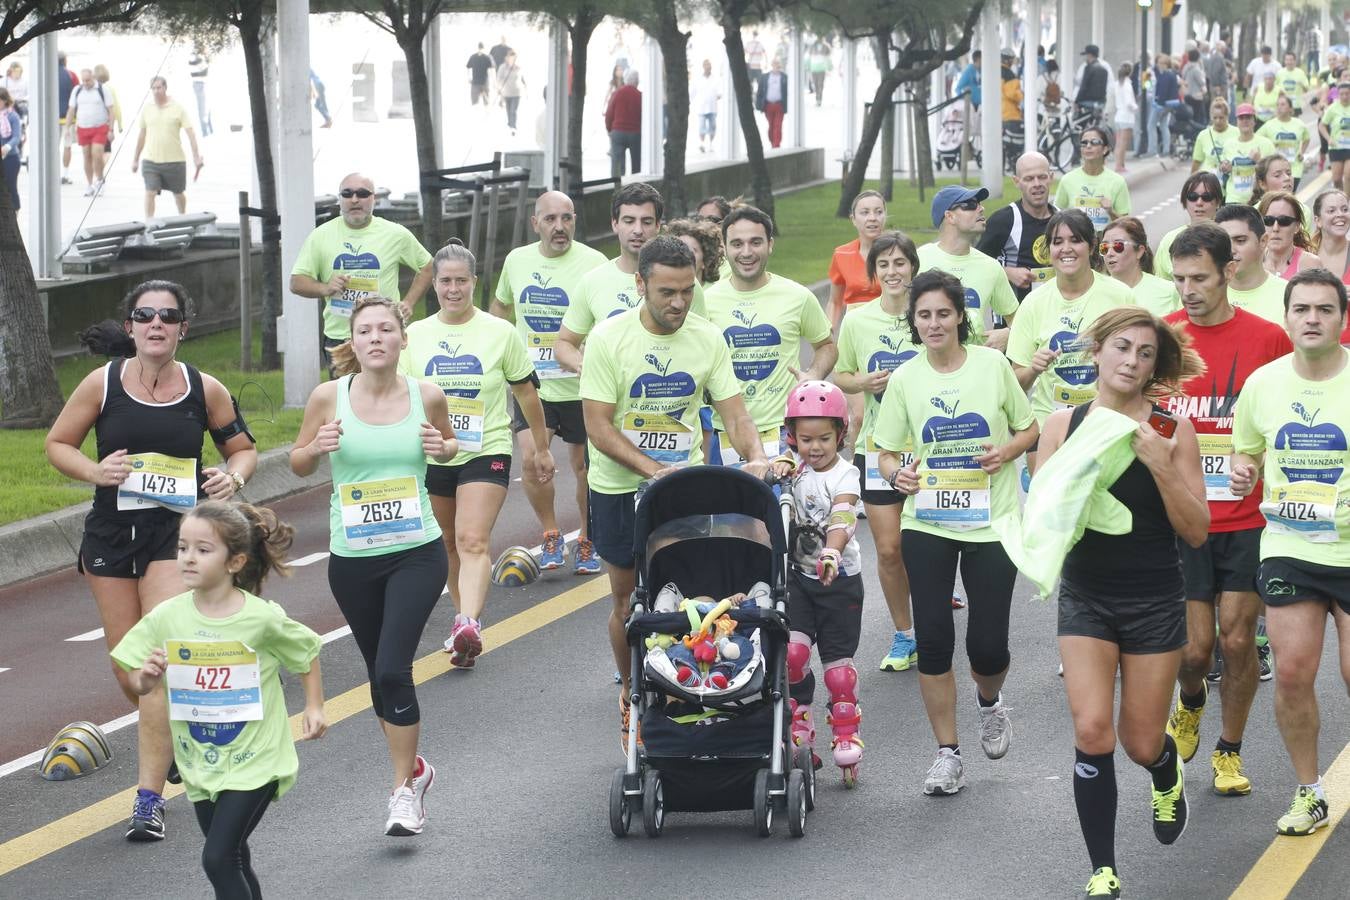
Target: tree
pixel 662 22
pixel 24 20
pixel 732 15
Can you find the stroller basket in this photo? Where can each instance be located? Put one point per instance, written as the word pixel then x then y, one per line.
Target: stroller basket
pixel 707 762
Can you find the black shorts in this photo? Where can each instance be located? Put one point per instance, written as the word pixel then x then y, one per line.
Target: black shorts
pixel 563 418
pixel 1283 580
pixel 495 468
pixel 1138 625
pixel 612 521
pixel 888 497
pixel 1338 155
pixel 830 616
pixel 1227 561
pixel 123 545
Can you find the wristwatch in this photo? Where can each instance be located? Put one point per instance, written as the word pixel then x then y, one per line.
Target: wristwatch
pixel 237 480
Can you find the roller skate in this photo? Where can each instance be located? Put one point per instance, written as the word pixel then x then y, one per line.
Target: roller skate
pixel 803 729
pixel 844 718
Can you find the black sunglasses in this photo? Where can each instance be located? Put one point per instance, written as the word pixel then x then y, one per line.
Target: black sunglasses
pixel 1092 142
pixel 968 205
pixel 1282 221
pixel 358 193
pixel 169 315
pixel 1196 196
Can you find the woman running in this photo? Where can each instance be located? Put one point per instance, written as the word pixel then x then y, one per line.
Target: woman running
pixel 387 566
pixel 874 340
pixel 1273 173
pixel 1091 188
pixel 149 413
pixel 1201 197
pixel 852 285
pixel 962 410
pixel 704 240
pixel 1290 135
pixel 1288 248
pixel 473 358
pixel 1124 247
pixel 1121 598
pixel 1331 212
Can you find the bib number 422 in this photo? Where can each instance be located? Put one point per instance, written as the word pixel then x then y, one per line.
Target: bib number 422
pixel 213 678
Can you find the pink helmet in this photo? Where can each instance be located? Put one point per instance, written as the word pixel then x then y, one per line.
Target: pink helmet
pixel 817 399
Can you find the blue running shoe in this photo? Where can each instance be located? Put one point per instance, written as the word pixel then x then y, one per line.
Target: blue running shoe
pixel 904 653
pixel 551 551
pixel 584 560
pixel 147 817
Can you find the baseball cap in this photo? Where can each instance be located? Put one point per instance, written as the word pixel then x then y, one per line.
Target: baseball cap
pixel 1246 109
pixel 1091 49
pixel 951 195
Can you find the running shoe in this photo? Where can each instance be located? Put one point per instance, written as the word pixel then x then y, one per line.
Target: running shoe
pixel 147 817
pixel 407 817
pixel 1228 775
pixel 1103 883
pixel 585 562
pixel 1265 657
pixel 904 653
pixel 1169 809
pixel 995 728
pixel 551 551
pixel 1306 814
pixel 946 775
pixel 1184 727
pixel 465 643
pixel 958 602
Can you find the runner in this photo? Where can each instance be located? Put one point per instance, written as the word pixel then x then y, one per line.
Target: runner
pixel 536 287
pixel 763 318
pixel 1289 134
pixel 149 413
pixel 1293 418
pixel 1222 572
pixel 1273 173
pixel 1240 156
pixel 874 341
pixel 1288 248
pixel 1334 128
pixel 357 255
pixel 850 285
pixel 1129 260
pixel 475 359
pixel 1251 287
pixel 236 752
pixel 1100 193
pixel 1015 234
pixel 704 240
pixel 645 371
pixel 1201 196
pixel 1121 595
pixel 1331 212
pixel 967 480
pixel 1211 145
pixel 387 566
pixel 958 215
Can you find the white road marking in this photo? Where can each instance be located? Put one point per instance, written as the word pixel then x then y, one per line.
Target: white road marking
pixel 336 633
pixel 310 559
pixel 24 762
pixel 4 670
pixel 87 636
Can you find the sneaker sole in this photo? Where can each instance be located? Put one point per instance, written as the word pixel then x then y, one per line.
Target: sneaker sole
pixel 400 830
pixel 1290 832
pixel 1184 825
pixel 891 664
pixel 998 754
pixel 579 570
pixel 1233 792
pixel 466 649
pixel 143 835
pixel 940 792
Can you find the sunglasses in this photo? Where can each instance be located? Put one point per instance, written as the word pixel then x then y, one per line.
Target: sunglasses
pixel 968 205
pixel 1196 197
pixel 169 315
pixel 1115 246
pixel 1092 142
pixel 1282 221
pixel 358 193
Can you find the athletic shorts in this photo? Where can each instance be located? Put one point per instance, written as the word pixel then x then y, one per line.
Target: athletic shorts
pixel 612 520
pixel 1227 561
pixel 563 418
pixel 830 616
pixel 124 545
pixel 88 137
pixel 1283 580
pixel 1338 155
pixel 166 176
pixel 887 497
pixel 442 481
pixel 1136 624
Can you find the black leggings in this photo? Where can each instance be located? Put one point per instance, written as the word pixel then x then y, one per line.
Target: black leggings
pixel 227 822
pixel 387 601
pixel 988 576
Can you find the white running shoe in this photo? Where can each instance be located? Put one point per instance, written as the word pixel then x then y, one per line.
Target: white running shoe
pixel 407 805
pixel 995 728
pixel 946 776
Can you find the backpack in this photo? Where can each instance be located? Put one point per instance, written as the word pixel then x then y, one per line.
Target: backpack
pixel 1052 93
pixel 75 96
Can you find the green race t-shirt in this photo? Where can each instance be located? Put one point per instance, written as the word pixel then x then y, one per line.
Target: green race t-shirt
pixel 1288 139
pixel 540 288
pixel 212 755
pixel 608 291
pixel 1046 319
pixel 1210 148
pixel 1266 301
pixel 472 364
pixel 370 256
pixel 656 383
pixel 986 284
pixel 1337 120
pixel 763 328
pixel 1263 101
pixel 1157 295
pixel 1162 259
pixel 1301 427
pixel 1080 190
pixel 1294 84
pixel 873 340
pixel 1243 156
pixel 949 418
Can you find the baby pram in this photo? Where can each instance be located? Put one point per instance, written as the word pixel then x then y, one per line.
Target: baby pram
pixel 710 744
pixel 1184 131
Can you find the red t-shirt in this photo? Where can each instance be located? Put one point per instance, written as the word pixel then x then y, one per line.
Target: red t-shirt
pixel 848 269
pixel 1231 351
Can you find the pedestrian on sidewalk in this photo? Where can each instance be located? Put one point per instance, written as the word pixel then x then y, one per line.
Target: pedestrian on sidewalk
pixel 623 121
pixel 115 127
pixel 706 97
pixel 17 85
pixel 90 113
pixel 198 68
pixel 318 93
pixel 771 100
pixel 11 140
pixel 66 80
pixel 1126 112
pixel 165 166
pixel 479 65
pixel 820 65
pixel 510 87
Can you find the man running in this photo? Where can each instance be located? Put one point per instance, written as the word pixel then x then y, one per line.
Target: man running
pixel 1015 234
pixel 536 288
pixel 958 215
pixel 1252 288
pixel 1221 573
pixel 1293 419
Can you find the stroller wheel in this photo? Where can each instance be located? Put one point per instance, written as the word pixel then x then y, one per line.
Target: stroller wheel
pixel 653 803
pixel 763 804
pixel 796 803
pixel 620 813
pixel 802 760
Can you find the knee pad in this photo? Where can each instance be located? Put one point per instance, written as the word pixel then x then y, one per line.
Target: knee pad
pixel 842 683
pixel 798 661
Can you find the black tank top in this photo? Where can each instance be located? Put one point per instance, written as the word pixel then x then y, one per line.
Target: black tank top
pixel 1143 562
pixel 125 423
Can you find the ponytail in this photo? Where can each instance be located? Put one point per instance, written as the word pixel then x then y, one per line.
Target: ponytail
pixel 253 531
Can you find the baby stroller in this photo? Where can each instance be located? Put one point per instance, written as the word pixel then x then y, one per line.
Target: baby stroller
pixel 951 132
pixel 710 743
pixel 1184 130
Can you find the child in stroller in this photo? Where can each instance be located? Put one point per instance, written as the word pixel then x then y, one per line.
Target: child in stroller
pixel 1185 129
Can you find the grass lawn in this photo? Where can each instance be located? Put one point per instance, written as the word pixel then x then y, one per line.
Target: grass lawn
pixel 809 234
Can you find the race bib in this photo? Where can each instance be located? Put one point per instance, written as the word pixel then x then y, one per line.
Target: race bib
pixel 661 438
pixel 955 499
pixel 381 513
pixel 872 480
pixel 1244 175
pixel 358 288
pixel 1216 453
pixel 1343 139
pixel 159 480
pixel 466 417
pixel 1066 397
pixel 212 681
pixel 1100 215
pixel 1305 509
pixel 729 457
pixel 546 365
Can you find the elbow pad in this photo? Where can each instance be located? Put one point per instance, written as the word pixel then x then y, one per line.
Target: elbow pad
pixel 843 518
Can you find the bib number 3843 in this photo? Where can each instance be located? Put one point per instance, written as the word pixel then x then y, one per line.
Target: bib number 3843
pixel 381 513
pixel 213 681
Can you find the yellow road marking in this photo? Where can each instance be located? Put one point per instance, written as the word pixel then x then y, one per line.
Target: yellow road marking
pixel 1287 858
pixel 77 826
pixel 1311 189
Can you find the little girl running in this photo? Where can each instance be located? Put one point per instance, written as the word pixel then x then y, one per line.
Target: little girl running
pixel 218 647
pixel 825 589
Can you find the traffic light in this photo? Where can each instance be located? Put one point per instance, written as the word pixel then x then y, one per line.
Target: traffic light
pixel 1170 7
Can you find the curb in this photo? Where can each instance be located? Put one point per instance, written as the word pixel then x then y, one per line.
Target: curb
pixel 50 542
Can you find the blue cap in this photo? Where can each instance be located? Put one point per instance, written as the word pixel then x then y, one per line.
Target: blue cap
pixel 951 195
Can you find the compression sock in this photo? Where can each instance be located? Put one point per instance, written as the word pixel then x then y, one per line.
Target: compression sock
pixel 1094 793
pixel 1224 747
pixel 1164 768
pixel 1193 701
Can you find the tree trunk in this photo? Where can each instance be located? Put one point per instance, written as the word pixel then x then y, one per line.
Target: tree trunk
pixel 579 33
pixel 923 148
pixel 251 36
pixel 873 124
pixel 675 59
pixel 410 40
pixel 29 392
pixel 1246 47
pixel 761 188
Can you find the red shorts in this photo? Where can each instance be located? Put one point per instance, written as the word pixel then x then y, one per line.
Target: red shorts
pixel 96 135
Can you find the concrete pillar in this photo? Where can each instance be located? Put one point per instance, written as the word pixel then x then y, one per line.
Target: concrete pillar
pixel 44 159
pixel 1273 36
pixel 653 122
pixel 1098 22
pixel 431 49
pixel 1032 33
pixel 296 172
pixel 555 143
pixel 991 124
pixel 851 104
pixel 1154 14
pixel 733 144
pixel 1066 40
pixel 1324 25
pixel 797 75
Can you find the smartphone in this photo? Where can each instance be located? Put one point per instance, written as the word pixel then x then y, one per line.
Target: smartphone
pixel 1162 423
